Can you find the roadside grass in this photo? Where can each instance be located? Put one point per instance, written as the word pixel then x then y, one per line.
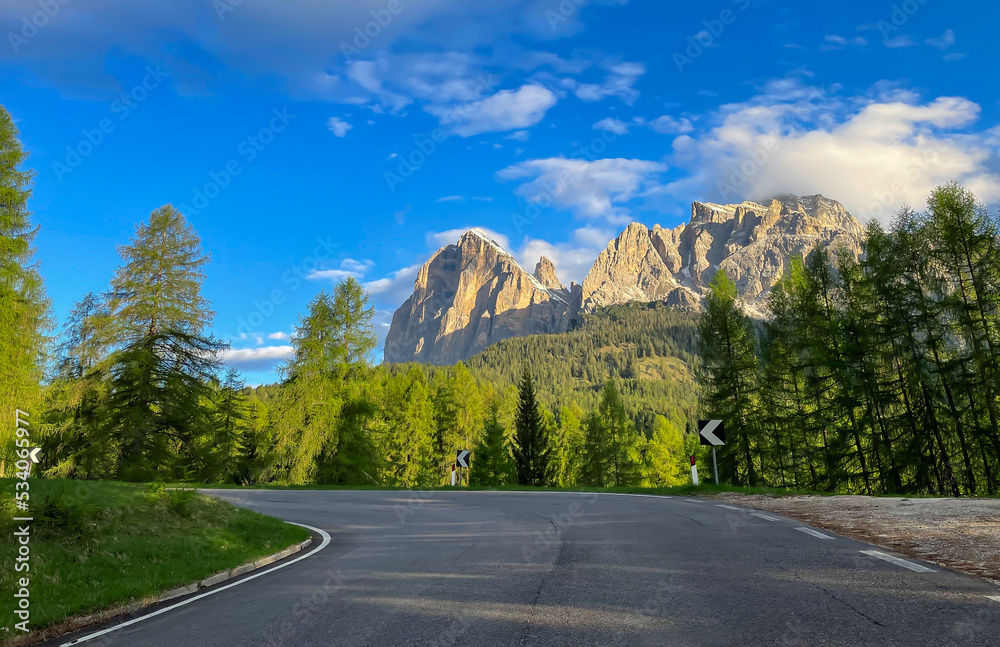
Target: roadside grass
pixel 678 490
pixel 97 545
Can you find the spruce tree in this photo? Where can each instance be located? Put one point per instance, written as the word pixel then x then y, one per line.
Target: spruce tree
pixel 491 459
pixel 531 448
pixel 729 378
pixel 612 451
pixel 24 307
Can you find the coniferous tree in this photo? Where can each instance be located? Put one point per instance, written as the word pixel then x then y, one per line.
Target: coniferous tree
pixel 666 462
pixel 161 370
pixel 729 378
pixel 531 448
pixel 492 464
pixel 567 444
pixel 24 307
pixel 612 450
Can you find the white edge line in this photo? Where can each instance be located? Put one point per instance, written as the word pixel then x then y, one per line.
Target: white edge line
pixel 322 545
pixel 764 516
pixel 995 598
pixel 815 533
pixel 727 507
pixel 892 559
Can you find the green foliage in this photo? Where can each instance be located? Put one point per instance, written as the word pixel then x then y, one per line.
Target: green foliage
pixel 492 464
pixel 531 438
pixel 24 307
pixel 612 449
pixel 877 375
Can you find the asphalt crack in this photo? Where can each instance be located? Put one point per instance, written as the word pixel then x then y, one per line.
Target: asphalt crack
pixel 526 631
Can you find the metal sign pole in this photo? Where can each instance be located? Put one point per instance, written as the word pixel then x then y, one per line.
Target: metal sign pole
pixel 715 466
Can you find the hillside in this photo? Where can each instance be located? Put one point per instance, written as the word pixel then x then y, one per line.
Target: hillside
pixel 648 348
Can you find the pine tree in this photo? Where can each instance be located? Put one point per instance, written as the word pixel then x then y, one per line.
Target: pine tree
pixel 568 446
pixel 531 448
pixel 666 462
pixel 612 451
pixel 491 459
pixel 163 365
pixel 729 378
pixel 24 308
pixel 230 424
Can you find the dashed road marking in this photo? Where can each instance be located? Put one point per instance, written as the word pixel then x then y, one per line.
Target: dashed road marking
pixel 892 559
pixel 815 533
pixel 727 507
pixel 766 517
pixel 695 500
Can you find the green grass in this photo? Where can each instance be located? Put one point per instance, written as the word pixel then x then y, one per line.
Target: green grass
pixel 97 545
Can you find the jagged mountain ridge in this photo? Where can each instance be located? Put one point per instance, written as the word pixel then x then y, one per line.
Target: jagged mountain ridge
pixel 474 293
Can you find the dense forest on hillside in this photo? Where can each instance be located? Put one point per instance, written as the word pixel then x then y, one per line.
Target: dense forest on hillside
pixel 650 349
pixel 878 375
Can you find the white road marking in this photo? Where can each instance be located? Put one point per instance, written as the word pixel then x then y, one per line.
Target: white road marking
pixel 695 500
pixel 898 562
pixel 815 533
pixel 764 516
pixel 995 598
pixel 322 545
pixel 727 507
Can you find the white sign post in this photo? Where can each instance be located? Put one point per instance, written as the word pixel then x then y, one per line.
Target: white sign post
pixel 694 473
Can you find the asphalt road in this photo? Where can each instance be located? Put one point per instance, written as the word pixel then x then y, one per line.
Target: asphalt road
pixel 546 569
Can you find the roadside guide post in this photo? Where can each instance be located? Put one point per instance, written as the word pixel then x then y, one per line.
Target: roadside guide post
pixel 712 432
pixel 452 475
pixel 694 472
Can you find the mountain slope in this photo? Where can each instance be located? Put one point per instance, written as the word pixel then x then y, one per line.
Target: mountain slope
pixel 473 294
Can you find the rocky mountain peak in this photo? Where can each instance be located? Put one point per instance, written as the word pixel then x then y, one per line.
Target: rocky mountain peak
pixel 545 272
pixel 474 293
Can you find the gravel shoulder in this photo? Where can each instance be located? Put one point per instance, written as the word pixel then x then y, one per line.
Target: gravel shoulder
pixel 962 534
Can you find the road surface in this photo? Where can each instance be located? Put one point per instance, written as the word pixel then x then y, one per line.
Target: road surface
pixel 546 569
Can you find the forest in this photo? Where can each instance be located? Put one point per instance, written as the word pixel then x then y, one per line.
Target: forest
pixel 873 375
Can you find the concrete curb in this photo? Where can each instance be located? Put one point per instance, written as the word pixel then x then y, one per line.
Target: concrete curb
pixel 236 572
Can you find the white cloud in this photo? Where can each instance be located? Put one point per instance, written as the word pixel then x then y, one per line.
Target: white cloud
pixel 594 189
pixel 518 135
pixel 667 125
pixel 349 267
pixel 396 287
pixel 618 83
pixel 944 41
pixel 505 110
pixel 338 126
pixel 616 126
pixel 872 153
pixel 451 198
pixel 279 336
pixel 256 358
pixel 572 259
pixel 357 266
pixel 899 41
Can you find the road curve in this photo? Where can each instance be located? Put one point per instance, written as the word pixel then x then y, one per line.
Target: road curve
pixel 546 569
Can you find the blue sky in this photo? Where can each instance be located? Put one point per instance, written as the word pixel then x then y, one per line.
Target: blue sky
pixel 311 140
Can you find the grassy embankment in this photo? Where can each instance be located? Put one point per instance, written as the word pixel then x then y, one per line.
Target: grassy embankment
pixel 98 545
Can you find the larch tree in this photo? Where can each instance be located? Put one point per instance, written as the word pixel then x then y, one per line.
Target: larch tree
pixel 24 307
